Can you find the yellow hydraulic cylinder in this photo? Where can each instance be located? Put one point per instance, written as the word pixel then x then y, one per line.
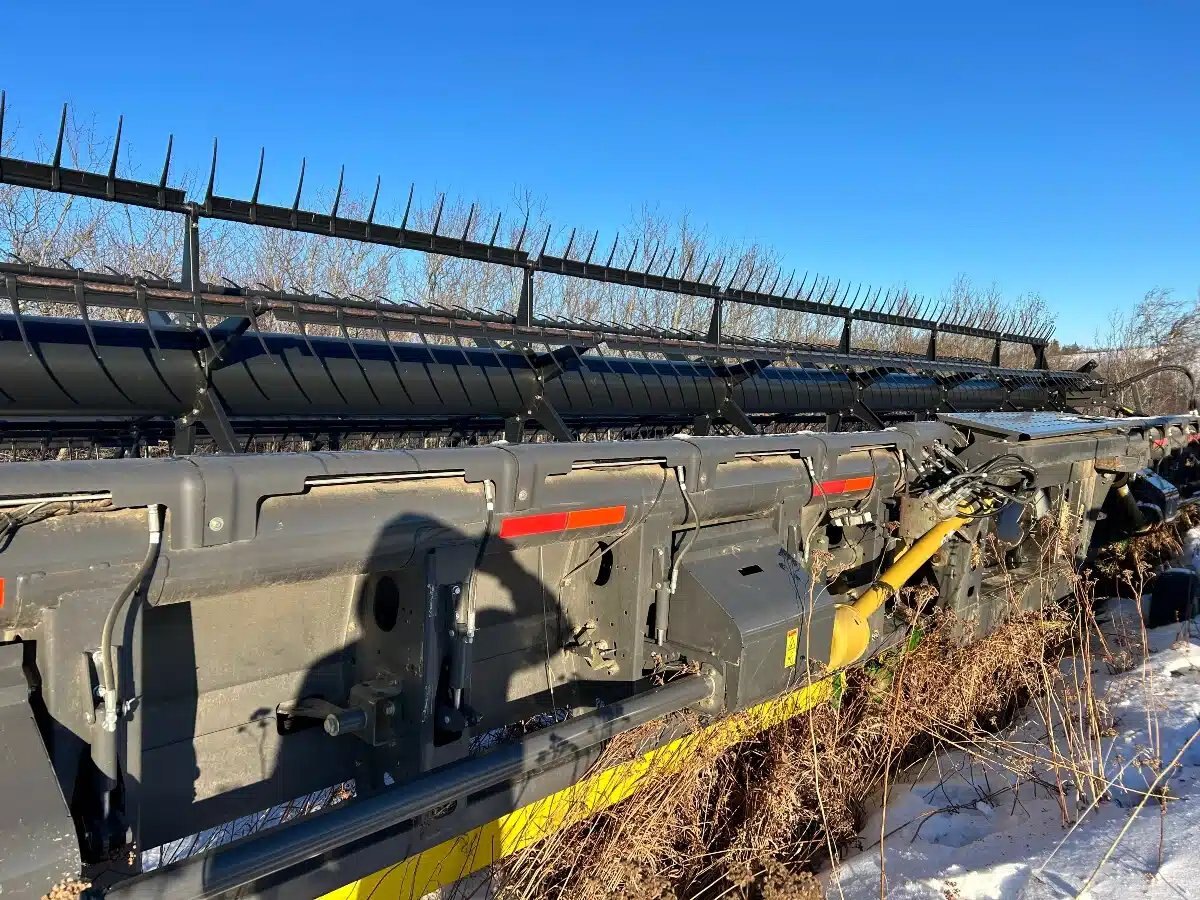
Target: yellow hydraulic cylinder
pixel 851 628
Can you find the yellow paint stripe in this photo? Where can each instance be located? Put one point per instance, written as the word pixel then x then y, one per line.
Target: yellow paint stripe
pixel 451 860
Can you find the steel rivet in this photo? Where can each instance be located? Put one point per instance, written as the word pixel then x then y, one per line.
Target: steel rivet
pixel 216 523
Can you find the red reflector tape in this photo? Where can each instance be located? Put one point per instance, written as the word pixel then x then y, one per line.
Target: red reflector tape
pixel 538 523
pixel 548 523
pixel 1 593
pixel 844 485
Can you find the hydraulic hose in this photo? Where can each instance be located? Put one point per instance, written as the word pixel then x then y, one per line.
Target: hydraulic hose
pixel 851 628
pixel 108 659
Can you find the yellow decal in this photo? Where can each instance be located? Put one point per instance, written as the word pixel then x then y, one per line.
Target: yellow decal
pixel 789 653
pixel 444 864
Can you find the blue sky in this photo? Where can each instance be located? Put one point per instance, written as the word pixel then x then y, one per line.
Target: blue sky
pixel 1048 148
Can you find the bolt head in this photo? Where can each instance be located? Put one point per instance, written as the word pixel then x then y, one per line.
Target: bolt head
pixel 216 523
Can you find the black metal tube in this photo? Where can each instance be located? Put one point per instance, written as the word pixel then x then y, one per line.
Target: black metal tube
pixel 244 862
pixel 127 377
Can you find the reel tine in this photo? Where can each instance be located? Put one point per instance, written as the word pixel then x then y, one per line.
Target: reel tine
pixel 653 257
pixel 110 187
pixel 545 241
pixel 437 219
pixel 787 287
pixel 687 263
pixel 495 230
pixel 166 169
pixel 337 198
pixel 857 293
pixel 2 104
pixel 592 249
pixel 734 274
pixel 467 228
pixel 374 200
pixel 612 252
pixel 521 237
pixel 212 179
pixel 412 186
pixel 56 164
pixel 570 244
pixel 829 297
pixel 775 283
pixel 670 260
pixel 800 289
pixel 632 254
pixel 262 156
pixel 299 191
pixel 761 281
pixel 717 274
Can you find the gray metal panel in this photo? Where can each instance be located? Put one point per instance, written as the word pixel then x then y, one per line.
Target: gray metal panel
pixel 1025 426
pixel 39 836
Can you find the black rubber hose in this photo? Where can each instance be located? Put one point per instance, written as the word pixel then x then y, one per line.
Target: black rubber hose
pixel 109 674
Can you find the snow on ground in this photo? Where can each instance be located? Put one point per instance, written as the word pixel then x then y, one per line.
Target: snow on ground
pixel 990 824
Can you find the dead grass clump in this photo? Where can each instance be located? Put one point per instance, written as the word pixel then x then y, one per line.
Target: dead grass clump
pixel 752 821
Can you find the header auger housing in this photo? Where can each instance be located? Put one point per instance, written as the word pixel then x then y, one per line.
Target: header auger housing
pixel 446 632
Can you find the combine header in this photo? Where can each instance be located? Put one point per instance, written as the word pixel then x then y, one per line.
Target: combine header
pixel 449 631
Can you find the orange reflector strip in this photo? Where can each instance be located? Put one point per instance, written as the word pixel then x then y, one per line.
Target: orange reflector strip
pixel 1 593
pixel 591 518
pixel 549 523
pixel 844 485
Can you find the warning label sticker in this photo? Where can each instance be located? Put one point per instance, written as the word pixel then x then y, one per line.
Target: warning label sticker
pixel 789 653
